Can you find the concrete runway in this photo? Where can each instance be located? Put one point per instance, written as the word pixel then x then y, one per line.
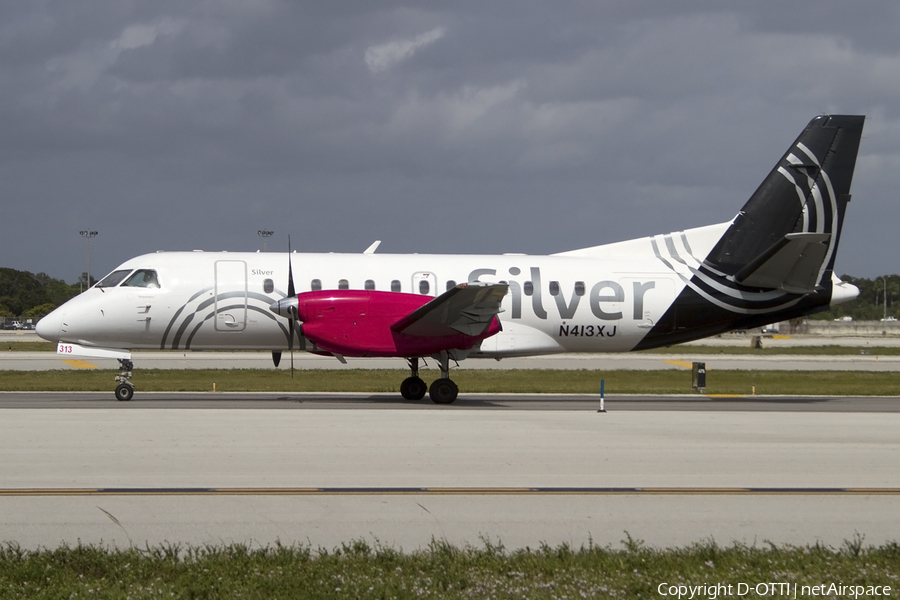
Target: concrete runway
pixel 247 471
pixel 392 401
pixel 523 469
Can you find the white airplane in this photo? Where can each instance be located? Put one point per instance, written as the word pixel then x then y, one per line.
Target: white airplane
pixel 772 262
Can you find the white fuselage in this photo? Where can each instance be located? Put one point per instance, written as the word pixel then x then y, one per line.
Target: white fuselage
pixel 555 303
pixel 601 299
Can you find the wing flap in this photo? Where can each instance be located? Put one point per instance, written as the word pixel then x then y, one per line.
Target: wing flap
pixel 467 308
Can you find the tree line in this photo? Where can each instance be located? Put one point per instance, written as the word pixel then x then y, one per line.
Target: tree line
pixel 872 300
pixel 25 295
pixel 29 296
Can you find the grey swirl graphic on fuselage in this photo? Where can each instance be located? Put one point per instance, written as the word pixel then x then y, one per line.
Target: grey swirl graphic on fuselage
pixel 205 310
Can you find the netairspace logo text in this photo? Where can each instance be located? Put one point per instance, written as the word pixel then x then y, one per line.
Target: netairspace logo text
pixel 770 589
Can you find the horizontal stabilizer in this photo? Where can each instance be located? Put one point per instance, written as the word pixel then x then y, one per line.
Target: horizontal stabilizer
pixel 792 264
pixel 467 308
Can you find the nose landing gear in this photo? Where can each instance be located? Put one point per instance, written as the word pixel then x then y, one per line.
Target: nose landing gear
pixel 125 389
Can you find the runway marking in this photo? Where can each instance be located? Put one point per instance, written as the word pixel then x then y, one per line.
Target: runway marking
pixel 680 363
pixel 725 396
pixel 79 364
pixel 453 491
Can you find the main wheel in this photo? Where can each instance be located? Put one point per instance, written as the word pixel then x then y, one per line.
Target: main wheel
pixel 413 388
pixel 124 392
pixel 443 391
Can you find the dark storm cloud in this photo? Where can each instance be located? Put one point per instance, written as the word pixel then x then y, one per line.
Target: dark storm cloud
pixel 473 127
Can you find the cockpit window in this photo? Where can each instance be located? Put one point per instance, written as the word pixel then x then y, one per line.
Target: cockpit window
pixel 113 279
pixel 145 278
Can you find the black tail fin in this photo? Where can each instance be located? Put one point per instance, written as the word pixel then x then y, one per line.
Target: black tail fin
pixel 775 260
pixel 786 235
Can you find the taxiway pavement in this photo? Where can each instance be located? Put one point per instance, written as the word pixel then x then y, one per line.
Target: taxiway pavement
pixel 475 401
pixel 323 469
pixel 137 473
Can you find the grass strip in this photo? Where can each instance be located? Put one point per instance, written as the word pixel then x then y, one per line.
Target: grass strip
pixel 745 349
pixel 359 570
pixel 547 381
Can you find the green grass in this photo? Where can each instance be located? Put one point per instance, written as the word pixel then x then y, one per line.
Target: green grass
pixel 744 349
pixel 27 347
pixel 358 570
pixel 490 381
pixel 776 350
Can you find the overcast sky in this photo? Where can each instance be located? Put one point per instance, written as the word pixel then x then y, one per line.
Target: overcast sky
pixel 476 127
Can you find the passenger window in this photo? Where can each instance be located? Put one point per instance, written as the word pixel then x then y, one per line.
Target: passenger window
pixel 343 284
pixel 579 288
pixel 114 278
pixel 528 288
pixel 268 286
pixel 395 286
pixel 145 278
pixel 554 288
pixel 424 287
pixel 315 285
pixel 370 285
pixel 450 285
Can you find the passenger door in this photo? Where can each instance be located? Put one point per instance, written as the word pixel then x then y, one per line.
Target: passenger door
pixel 231 295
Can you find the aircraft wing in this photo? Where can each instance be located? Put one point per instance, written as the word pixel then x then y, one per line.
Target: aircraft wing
pixel 467 308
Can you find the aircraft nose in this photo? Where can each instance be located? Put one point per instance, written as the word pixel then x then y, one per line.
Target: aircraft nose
pixel 48 326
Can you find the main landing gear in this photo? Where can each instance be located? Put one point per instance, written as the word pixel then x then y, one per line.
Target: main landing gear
pixel 125 389
pixel 442 391
pixel 413 388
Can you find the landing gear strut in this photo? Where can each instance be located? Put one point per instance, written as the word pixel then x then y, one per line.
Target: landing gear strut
pixel 125 389
pixel 413 388
pixel 443 390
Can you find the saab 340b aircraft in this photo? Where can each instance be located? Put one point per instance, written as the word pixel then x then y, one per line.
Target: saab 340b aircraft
pixel 772 262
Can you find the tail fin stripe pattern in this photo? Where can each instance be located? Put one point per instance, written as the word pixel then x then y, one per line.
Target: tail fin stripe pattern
pixel 835 224
pixel 809 153
pixel 717 282
pixel 819 214
pixel 746 301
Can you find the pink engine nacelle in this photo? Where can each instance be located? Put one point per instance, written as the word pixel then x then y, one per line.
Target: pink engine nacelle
pixel 358 323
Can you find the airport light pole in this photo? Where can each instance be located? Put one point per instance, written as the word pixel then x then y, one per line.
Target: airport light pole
pixel 265 234
pixel 884 316
pixel 88 235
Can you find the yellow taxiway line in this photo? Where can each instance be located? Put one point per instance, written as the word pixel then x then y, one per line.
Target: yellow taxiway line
pixel 79 364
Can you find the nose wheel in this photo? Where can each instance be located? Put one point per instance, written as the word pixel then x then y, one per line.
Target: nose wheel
pixel 125 389
pixel 124 392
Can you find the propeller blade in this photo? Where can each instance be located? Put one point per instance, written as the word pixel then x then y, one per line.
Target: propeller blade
pixel 292 293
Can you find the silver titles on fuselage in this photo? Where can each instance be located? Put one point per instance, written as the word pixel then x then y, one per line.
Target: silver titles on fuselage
pixel 605 298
